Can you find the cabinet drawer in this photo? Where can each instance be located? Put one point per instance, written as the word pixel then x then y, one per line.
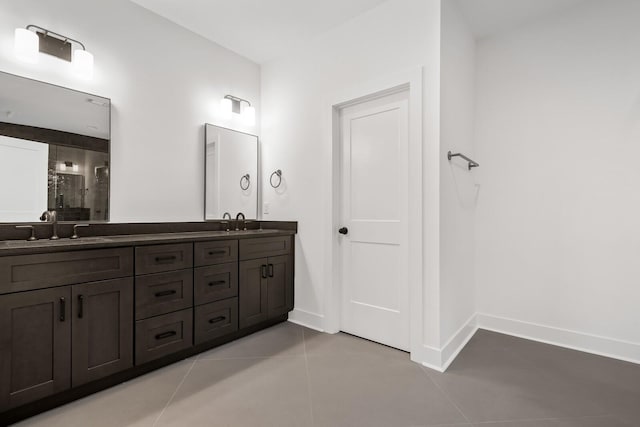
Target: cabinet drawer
pixel 163 293
pixel 219 252
pixel 26 272
pixel 158 258
pixel 215 320
pixel 264 247
pixel 163 335
pixel 215 283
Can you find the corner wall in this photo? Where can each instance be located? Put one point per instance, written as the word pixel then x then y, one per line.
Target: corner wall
pixel 458 187
pixel 164 83
pixel 558 136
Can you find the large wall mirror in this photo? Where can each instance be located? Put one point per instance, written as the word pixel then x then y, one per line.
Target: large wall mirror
pixel 231 173
pixel 54 152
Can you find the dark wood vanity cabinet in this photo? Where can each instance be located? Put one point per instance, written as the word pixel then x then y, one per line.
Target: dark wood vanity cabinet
pixel 35 345
pixel 57 338
pixel 164 306
pixel 266 283
pixel 69 319
pixel 102 329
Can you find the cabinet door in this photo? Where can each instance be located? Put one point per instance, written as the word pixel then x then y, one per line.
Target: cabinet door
pixel 35 344
pixel 102 329
pixel 253 292
pixel 279 285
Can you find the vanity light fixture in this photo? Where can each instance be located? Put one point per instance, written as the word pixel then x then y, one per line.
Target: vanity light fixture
pixel 232 104
pixel 33 39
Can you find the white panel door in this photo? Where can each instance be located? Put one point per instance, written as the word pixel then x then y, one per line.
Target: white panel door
pixel 375 289
pixel 23 174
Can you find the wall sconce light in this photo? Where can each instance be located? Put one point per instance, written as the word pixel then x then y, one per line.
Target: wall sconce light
pixel 28 43
pixel 231 104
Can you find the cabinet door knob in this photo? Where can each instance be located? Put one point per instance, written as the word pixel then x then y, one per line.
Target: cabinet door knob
pixel 343 230
pixel 270 270
pixel 263 271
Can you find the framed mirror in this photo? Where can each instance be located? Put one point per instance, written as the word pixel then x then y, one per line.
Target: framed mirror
pixel 231 173
pixel 54 152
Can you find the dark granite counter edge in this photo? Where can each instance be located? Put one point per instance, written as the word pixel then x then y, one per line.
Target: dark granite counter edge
pixel 65 229
pixel 146 234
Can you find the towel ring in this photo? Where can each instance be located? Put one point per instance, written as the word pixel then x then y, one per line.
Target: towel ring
pixel 246 178
pixel 278 173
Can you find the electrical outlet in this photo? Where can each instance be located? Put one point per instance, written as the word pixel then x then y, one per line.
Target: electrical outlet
pixel 265 208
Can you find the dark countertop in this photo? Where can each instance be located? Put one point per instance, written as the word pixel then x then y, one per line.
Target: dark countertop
pixel 23 247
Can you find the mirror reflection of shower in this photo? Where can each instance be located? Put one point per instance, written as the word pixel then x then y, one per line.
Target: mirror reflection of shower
pixel 78 184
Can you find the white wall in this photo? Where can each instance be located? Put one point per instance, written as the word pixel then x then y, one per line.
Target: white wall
pixel 558 136
pixel 164 83
pixel 458 190
pixel 296 92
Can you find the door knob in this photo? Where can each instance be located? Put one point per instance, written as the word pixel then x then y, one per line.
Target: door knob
pixel 343 230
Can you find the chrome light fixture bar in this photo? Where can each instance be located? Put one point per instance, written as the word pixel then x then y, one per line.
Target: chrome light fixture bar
pixel 232 104
pixel 33 39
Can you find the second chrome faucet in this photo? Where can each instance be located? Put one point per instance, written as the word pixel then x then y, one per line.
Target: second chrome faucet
pixel 52 217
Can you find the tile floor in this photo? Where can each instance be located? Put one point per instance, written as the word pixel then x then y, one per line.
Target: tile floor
pixel 292 376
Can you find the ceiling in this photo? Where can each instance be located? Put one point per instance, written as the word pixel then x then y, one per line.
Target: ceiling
pixel 487 17
pixel 258 29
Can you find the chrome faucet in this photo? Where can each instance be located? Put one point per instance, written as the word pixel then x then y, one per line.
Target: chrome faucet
pixel 226 215
pixel 240 214
pixel 52 217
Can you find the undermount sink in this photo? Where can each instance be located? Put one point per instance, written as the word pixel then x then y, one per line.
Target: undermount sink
pixel 47 242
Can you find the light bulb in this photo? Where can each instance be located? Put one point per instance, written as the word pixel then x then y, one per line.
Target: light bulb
pixel 26 45
pixel 82 64
pixel 249 116
pixel 225 108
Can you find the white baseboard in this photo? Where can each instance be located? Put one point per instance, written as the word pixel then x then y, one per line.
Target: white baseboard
pixel 440 358
pixel 458 341
pixel 602 346
pixel 307 319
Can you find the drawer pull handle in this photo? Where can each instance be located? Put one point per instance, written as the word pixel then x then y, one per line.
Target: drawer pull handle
pixel 270 270
pixel 220 252
pixel 80 306
pixel 63 308
pixel 165 335
pixel 217 319
pixel 165 293
pixel 263 271
pixel 217 283
pixel 165 258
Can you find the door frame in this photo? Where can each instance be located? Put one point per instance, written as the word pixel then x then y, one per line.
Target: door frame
pixel 410 80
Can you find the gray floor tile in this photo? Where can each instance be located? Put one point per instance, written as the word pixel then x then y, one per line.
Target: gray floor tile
pixel 605 421
pixel 134 403
pixel 492 381
pixel 613 383
pixel 322 344
pixel 284 339
pixel 368 389
pixel 292 376
pixel 270 392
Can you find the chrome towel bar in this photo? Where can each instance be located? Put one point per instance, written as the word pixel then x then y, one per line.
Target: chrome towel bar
pixel 472 163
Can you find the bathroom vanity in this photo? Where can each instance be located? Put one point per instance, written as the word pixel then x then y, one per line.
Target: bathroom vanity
pixel 81 315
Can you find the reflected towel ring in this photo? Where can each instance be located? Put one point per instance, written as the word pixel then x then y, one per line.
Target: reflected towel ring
pixel 278 173
pixel 246 178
